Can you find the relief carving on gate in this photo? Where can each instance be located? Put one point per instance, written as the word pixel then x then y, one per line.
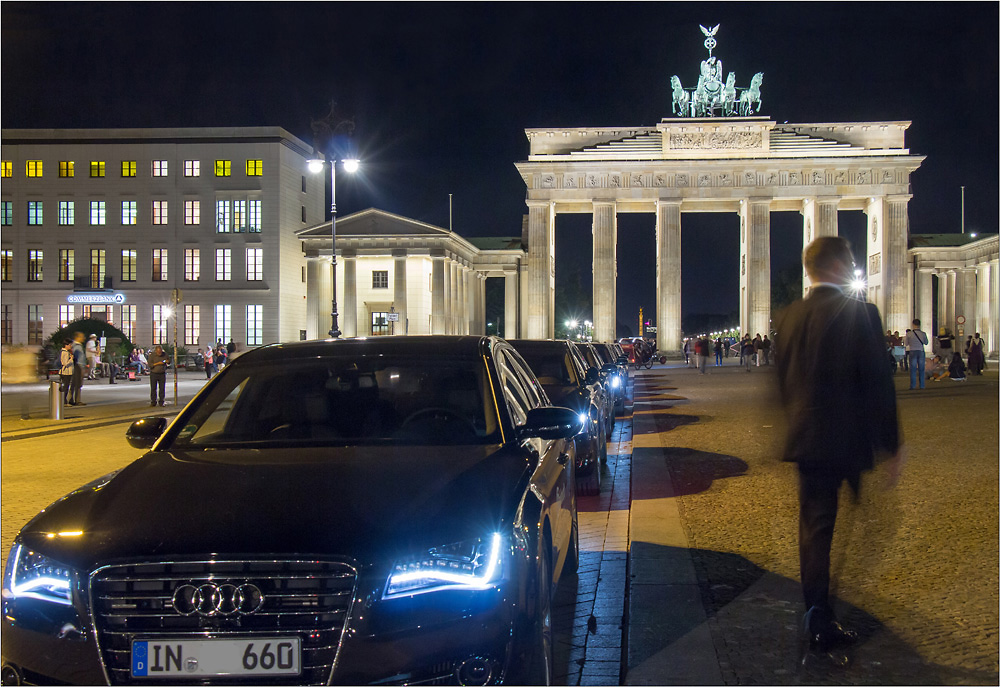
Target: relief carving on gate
pixel 569 182
pixel 875 264
pixel 637 181
pixel 660 180
pixel 592 181
pixel 749 178
pixel 717 140
pixel 615 180
pixel 864 176
pixel 681 180
pixel 704 179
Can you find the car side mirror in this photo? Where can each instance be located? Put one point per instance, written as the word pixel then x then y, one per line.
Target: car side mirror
pixel 592 376
pixel 549 422
pixel 144 433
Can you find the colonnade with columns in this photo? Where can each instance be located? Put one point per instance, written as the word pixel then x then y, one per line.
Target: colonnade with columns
pixel 885 257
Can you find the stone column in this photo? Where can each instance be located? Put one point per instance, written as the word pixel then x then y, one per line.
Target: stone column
pixel 925 304
pixel 894 265
pixel 994 326
pixel 510 299
pixel 461 312
pixel 668 275
pixel 348 308
pixel 942 304
pixel 966 303
pixel 983 300
pixel 758 268
pixel 448 319
pixel 605 233
pixel 819 218
pixel 952 293
pixel 540 316
pixel 438 322
pixel 469 308
pixel 456 314
pixel 478 325
pixel 318 297
pixel 399 289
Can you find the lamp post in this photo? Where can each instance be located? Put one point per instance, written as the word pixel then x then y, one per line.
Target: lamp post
pixel 316 166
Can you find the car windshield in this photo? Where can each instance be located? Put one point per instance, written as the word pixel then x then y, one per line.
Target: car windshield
pixel 551 366
pixel 346 401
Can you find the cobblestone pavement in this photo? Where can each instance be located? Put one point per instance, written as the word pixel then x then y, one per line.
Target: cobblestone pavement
pixel 916 567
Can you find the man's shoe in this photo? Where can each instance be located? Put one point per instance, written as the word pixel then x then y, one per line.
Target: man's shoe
pixel 824 632
pixel 152 403
pixel 80 403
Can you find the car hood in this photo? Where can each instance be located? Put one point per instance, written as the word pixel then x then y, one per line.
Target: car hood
pixel 365 503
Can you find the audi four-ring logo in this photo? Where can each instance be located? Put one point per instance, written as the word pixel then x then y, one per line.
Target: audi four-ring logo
pixel 209 599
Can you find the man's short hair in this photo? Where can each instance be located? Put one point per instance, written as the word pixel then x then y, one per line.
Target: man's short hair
pixel 823 253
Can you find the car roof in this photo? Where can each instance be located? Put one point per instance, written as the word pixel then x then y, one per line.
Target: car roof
pixel 469 346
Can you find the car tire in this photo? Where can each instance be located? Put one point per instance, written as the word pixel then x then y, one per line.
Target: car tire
pixel 572 562
pixel 603 452
pixel 541 662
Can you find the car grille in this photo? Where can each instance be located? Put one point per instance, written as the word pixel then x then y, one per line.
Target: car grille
pixel 308 599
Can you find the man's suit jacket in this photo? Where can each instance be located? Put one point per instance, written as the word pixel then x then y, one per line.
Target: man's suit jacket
pixel 835 382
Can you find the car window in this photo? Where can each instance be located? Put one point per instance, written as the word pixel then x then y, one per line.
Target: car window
pixel 346 401
pixel 552 366
pixel 513 389
pixel 535 394
pixel 580 360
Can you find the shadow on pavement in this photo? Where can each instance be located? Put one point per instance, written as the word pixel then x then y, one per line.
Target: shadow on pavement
pixel 754 619
pixel 691 471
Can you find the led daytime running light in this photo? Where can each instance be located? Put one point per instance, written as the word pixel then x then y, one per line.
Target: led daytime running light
pixel 37 584
pixel 431 579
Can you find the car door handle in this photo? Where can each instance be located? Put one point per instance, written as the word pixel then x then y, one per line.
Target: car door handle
pixel 563 458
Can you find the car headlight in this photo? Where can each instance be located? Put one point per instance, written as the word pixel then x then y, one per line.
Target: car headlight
pixel 30 575
pixel 475 564
pixel 615 382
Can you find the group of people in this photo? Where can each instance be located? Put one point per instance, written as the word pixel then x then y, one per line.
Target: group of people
pixel 214 358
pixel 948 363
pixel 756 351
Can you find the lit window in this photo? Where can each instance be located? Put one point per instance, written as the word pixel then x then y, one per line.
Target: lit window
pixel 7 168
pixel 255 325
pixel 380 279
pixel 192 212
pixel 6 265
pixel 159 168
pixel 223 264
pixel 159 212
pixel 239 215
pixel 160 272
pixel 192 264
pixel 35 265
pixel 97 169
pixel 67 212
pixel 65 168
pixel 128 321
pixel 223 322
pixel 129 211
pixel 159 324
pixel 128 264
pixel 255 168
pixel 223 168
pixel 222 216
pixel 67 264
pixel 254 220
pixel 7 320
pixel 192 168
pixel 34 212
pixel 7 213
pixel 128 168
pixel 35 323
pixel 97 212
pixel 97 268
pixel 255 264
pixel 34 168
pixel 66 315
pixel 192 325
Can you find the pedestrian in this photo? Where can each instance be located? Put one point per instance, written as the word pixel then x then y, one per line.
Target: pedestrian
pixel 79 363
pixel 945 342
pixel 758 345
pixel 92 356
pixel 902 344
pixel 220 356
pixel 66 366
pixel 977 359
pixel 956 369
pixel 915 342
pixel 718 352
pixel 230 348
pixel 687 351
pixel 209 363
pixel 765 350
pixel 701 353
pixel 746 351
pixel 841 405
pixel 157 375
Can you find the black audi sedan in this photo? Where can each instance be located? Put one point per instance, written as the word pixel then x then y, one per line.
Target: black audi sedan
pixel 382 511
pixel 566 382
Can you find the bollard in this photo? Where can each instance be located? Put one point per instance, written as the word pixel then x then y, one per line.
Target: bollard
pixel 55 401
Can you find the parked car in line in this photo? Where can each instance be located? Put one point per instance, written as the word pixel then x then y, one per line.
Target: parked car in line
pixel 566 384
pixel 611 355
pixel 392 510
pixel 606 375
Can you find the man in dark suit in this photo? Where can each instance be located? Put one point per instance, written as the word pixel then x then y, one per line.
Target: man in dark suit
pixel 837 390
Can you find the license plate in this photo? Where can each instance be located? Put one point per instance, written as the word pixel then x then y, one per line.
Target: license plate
pixel 207 657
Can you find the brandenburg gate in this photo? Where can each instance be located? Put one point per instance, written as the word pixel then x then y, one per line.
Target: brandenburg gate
pixel 716 155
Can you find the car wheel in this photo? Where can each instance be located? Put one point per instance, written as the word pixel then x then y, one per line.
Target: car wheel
pixel 540 666
pixel 588 481
pixel 604 453
pixel 572 562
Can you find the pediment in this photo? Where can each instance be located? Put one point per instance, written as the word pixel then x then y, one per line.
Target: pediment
pixel 374 222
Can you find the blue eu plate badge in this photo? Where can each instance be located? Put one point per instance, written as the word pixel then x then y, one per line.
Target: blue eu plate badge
pixel 140 663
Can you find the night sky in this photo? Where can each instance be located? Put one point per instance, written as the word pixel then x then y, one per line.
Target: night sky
pixel 441 94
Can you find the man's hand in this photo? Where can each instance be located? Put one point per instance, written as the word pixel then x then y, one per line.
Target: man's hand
pixel 894 467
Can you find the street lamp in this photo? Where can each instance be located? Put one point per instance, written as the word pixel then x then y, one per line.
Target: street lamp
pixel 316 166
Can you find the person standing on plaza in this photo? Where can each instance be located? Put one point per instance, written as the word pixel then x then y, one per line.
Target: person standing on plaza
pixel 79 363
pixel 209 362
pixel 687 351
pixel 66 366
pixel 758 345
pixel 157 375
pixel 977 360
pixel 765 350
pixel 841 406
pixel 93 353
pixel 718 352
pixel 230 348
pixel 701 353
pixel 746 352
pixel 915 342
